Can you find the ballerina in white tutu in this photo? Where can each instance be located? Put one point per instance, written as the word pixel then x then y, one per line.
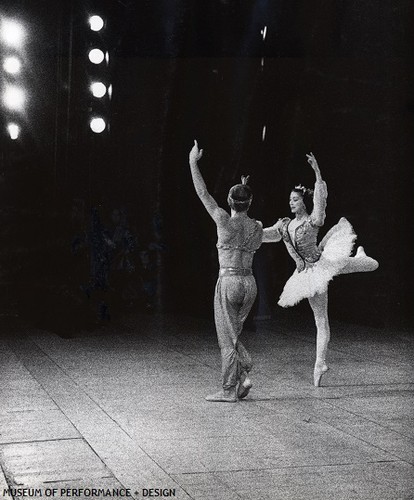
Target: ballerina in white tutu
pixel 316 264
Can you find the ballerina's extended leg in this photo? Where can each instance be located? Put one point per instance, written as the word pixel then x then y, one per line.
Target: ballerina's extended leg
pixel 361 263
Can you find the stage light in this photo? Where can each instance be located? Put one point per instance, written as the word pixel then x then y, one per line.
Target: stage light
pixel 96 23
pixel 110 91
pixel 96 56
pixel 98 125
pixel 12 33
pixel 263 32
pixel 264 133
pixel 107 57
pixel 13 98
pixel 98 89
pixel 14 131
pixel 12 65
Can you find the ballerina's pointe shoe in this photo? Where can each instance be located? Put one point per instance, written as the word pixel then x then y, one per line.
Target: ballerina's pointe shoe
pixel 370 264
pixel 317 374
pixel 244 388
pixel 360 252
pixel 223 396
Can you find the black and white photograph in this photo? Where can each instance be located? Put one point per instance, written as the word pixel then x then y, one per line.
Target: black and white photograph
pixel 206 240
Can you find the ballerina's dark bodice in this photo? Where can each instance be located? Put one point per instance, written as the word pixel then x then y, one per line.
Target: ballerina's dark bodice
pixel 303 248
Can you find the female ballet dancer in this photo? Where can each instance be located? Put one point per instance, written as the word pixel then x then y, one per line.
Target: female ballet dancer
pixel 316 264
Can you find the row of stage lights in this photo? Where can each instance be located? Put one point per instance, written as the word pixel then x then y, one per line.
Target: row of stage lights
pixel 12 37
pixel 14 96
pixel 99 90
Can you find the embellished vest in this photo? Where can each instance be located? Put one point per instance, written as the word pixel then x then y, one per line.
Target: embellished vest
pixel 235 240
pixel 304 250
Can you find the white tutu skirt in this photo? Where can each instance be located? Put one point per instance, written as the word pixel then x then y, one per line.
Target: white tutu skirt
pixel 336 247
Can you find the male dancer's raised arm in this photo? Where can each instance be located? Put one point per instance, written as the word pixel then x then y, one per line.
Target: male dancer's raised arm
pixel 208 201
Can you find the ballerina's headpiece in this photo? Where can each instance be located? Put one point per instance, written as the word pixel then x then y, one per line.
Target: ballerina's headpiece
pixel 304 191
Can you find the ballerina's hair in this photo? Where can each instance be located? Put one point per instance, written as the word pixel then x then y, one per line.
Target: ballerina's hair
pixel 307 196
pixel 240 196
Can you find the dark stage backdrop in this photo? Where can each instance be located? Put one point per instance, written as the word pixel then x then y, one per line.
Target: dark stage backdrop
pixel 331 77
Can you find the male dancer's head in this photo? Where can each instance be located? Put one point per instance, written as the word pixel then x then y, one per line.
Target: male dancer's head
pixel 240 196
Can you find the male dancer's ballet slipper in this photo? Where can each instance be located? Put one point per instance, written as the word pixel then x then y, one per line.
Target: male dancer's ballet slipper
pixel 223 396
pixel 317 374
pixel 244 387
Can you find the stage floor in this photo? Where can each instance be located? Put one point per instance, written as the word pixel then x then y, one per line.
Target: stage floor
pixel 123 408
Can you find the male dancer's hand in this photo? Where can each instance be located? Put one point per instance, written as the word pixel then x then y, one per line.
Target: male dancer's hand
pixel 195 153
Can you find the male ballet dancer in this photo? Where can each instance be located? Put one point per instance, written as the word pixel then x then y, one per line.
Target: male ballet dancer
pixel 238 238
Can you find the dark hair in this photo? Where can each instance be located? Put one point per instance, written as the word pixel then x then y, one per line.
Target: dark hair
pixel 239 198
pixel 307 197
